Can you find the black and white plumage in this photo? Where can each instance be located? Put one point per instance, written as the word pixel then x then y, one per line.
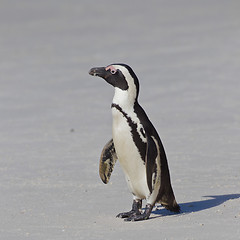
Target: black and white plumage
pixel 137 146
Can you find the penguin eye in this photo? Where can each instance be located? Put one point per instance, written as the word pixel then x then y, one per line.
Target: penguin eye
pixel 113 71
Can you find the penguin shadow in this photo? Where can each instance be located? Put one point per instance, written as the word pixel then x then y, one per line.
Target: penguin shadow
pixel 197 206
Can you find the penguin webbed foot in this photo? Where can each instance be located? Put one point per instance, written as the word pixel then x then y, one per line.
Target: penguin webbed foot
pixel 128 214
pixel 140 217
pixel 134 218
pixel 136 210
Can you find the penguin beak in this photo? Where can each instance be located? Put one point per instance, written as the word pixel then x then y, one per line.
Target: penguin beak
pixel 98 71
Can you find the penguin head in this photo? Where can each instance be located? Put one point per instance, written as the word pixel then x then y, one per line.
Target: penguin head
pixel 121 77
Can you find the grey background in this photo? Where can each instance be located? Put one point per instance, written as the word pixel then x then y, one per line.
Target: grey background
pixel 55 118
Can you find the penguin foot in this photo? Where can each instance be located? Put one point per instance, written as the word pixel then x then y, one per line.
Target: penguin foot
pixel 128 214
pixel 140 217
pixel 136 210
pixel 134 218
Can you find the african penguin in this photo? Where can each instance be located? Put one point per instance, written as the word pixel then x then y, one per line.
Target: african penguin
pixel 136 145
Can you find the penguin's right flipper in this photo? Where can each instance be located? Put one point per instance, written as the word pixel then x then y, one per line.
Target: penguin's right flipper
pixel 150 160
pixel 107 161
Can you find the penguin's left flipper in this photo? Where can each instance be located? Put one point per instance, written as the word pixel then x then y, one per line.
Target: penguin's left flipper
pixel 150 160
pixel 107 161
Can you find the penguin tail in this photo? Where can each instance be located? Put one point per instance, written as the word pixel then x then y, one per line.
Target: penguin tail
pixel 168 201
pixel 173 207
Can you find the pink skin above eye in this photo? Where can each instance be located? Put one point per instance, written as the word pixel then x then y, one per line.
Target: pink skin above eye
pixel 113 70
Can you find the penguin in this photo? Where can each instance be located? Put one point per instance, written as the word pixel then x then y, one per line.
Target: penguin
pixel 136 145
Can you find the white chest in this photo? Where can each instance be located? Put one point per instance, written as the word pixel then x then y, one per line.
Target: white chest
pixel 127 151
pixel 128 154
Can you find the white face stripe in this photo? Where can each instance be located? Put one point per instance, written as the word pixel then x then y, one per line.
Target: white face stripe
pixel 125 72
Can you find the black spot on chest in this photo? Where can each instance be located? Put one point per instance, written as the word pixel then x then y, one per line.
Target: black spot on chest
pixel 134 132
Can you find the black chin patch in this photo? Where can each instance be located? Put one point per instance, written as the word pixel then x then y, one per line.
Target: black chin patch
pixel 121 81
pixel 118 80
